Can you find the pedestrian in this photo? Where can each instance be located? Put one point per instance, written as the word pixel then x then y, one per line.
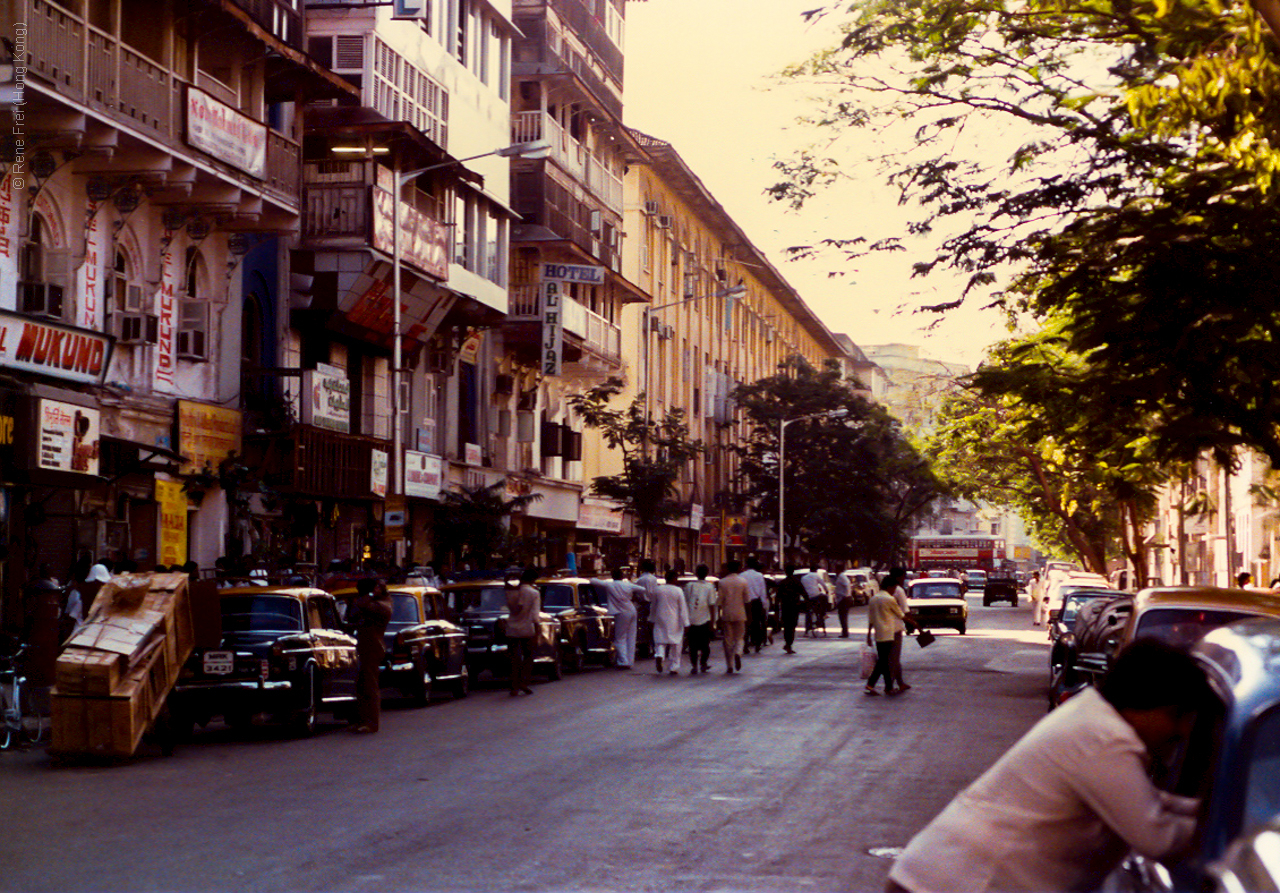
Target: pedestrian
pixel 907 622
pixel 1035 589
pixel 369 614
pixel 757 608
pixel 649 582
pixel 620 598
pixel 844 600
pixel 524 604
pixel 1066 803
pixel 817 606
pixel 732 596
pixel 1244 580
pixel 700 595
pixel 883 617
pixel 670 614
pixel 791 599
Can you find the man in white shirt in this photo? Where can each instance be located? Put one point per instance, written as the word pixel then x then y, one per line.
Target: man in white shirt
pixel 844 600
pixel 620 596
pixel 757 608
pixel 649 582
pixel 670 614
pixel 883 618
pixel 1065 804
pixel 701 597
pixel 816 609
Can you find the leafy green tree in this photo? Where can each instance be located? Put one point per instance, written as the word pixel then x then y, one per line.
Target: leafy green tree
pixel 473 523
pixel 654 453
pixel 1108 162
pixel 854 485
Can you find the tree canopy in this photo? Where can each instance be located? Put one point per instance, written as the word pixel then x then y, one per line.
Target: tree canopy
pixel 1109 164
pixel 853 484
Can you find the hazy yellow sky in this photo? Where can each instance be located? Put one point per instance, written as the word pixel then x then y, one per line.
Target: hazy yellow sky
pixel 698 74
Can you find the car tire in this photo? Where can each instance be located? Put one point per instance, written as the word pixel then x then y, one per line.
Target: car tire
pixel 419 692
pixel 461 686
pixel 306 719
pixel 576 655
pixel 962 628
pixel 555 669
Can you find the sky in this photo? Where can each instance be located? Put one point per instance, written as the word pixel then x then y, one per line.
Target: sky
pixel 699 75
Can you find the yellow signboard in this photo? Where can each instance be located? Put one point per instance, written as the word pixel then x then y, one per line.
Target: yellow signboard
pixel 206 434
pixel 173 522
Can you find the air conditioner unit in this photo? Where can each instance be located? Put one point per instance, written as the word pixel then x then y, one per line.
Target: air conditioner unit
pixel 137 328
pixel 651 208
pixel 41 299
pixel 664 221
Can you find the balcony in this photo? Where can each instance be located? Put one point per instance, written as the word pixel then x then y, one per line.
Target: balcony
pixel 88 66
pixel 592 332
pixel 570 155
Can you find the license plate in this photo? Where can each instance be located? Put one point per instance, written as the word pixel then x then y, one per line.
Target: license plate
pixel 219 663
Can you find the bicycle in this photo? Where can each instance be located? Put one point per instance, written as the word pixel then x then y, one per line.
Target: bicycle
pixel 22 725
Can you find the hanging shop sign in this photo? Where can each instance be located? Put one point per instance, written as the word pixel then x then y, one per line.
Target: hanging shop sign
pixel 326 398
pixel 600 514
pixel 219 130
pixel 44 347
pixel 554 278
pixel 424 242
pixel 696 516
pixel 68 437
pixel 173 522
pixel 423 474
pixel 207 434
pixel 166 352
pixel 378 473
pixel 735 531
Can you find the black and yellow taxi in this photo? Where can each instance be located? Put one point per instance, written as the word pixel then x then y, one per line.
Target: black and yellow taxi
pixel 480 608
pixel 282 651
pixel 586 628
pixel 426 651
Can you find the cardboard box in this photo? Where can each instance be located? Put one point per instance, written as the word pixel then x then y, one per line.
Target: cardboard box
pixel 114 726
pixel 85 671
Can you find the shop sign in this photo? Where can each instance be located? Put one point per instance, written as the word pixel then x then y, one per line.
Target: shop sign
pixel 326 398
pixel 68 437
pixel 206 434
pixel 472 455
pixel 600 514
pixel 378 473
pixel 89 277
pixel 167 316
pixel 552 345
pixel 424 242
pixel 591 275
pixel 393 516
pixel 173 522
pixel 696 516
pixel 221 131
pixel 48 348
pixel 8 434
pixel 709 532
pixel 423 474
pixel 470 350
pixel 735 531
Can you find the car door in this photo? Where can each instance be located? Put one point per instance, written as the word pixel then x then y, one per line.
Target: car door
pixel 449 640
pixel 334 651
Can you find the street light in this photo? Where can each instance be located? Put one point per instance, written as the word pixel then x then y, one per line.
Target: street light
pixel 782 467
pixel 535 149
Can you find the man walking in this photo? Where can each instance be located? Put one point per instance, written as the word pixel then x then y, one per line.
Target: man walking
pixel 649 582
pixel 620 596
pixel 844 600
pixel 524 604
pixel 1035 589
pixel 732 597
pixel 670 617
pixel 371 612
pixel 757 608
pixel 791 599
pixel 907 621
pixel 883 617
pixel 700 595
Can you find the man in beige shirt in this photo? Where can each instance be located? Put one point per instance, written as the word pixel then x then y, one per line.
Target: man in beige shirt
pixel 733 597
pixel 524 604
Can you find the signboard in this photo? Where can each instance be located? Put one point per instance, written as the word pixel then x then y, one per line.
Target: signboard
pixel 206 434
pixel 472 454
pixel 44 347
pixel 424 242
pixel 600 514
pixel 173 522
pixel 709 532
pixel 696 516
pixel 469 352
pixel 221 131
pixel 423 474
pixel 552 328
pixel 378 473
pixel 552 272
pixel 68 437
pixel 326 398
pixel 167 314
pixel 90 275
pixel 393 517
pixel 735 531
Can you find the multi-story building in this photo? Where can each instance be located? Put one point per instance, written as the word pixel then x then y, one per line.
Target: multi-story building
pixel 152 163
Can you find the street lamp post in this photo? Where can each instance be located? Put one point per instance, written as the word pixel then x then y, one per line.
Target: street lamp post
pixel 782 470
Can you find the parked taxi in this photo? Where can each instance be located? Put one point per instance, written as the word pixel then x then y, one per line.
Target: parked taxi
pixel 480 608
pixel 586 628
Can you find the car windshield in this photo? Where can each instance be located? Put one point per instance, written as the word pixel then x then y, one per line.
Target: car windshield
pixel 261 613
pixel 492 599
pixel 1262 791
pixel 936 590
pixel 1184 627
pixel 557 595
pixel 404 608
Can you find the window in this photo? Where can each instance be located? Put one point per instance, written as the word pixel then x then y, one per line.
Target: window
pixel 38 296
pixel 129 322
pixel 193 311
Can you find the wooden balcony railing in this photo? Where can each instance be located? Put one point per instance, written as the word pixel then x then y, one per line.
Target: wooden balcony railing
pixel 335 211
pixel 570 155
pixel 597 333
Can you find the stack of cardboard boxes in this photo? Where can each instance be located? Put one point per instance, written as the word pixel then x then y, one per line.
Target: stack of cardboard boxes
pixel 118 668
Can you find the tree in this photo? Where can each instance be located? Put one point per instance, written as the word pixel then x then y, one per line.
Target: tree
pixel 472 523
pixel 854 485
pixel 1030 432
pixel 1134 199
pixel 654 452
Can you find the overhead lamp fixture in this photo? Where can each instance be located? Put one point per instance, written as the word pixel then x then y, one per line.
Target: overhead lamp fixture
pixel 198 229
pixel 97 189
pixel 359 150
pixel 126 200
pixel 43 164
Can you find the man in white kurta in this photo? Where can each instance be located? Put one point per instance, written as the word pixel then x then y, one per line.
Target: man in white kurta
pixel 670 614
pixel 620 598
pixel 1035 588
pixel 1063 806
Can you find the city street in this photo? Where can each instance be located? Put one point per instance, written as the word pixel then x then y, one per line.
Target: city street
pixel 786 777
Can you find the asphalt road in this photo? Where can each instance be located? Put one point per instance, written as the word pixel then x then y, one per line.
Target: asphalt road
pixel 785 777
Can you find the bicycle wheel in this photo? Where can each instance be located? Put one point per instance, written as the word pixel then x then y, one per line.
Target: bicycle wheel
pixel 10 717
pixel 31 723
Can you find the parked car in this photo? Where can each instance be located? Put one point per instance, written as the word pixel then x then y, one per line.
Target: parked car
pixel 1063 620
pixel 1001 586
pixel 426 651
pixel 938 603
pixel 480 608
pixel 861 584
pixel 1232 759
pixel 586 627
pixel 1090 618
pixel 1060 585
pixel 283 651
pixel 975 579
pixel 1250 864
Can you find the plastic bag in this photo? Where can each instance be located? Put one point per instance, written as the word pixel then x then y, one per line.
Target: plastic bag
pixel 868 660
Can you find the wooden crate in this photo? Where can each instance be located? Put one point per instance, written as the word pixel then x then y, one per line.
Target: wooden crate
pixel 89 672
pixel 114 726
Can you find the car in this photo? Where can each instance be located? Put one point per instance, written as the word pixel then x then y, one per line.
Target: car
pixel 1062 620
pixel 975 579
pixel 426 651
pixel 1061 584
pixel 938 603
pixel 480 608
pixel 1250 863
pixel 282 651
pixel 1231 760
pixel 586 627
pixel 861 584
pixel 1089 618
pixel 1001 586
